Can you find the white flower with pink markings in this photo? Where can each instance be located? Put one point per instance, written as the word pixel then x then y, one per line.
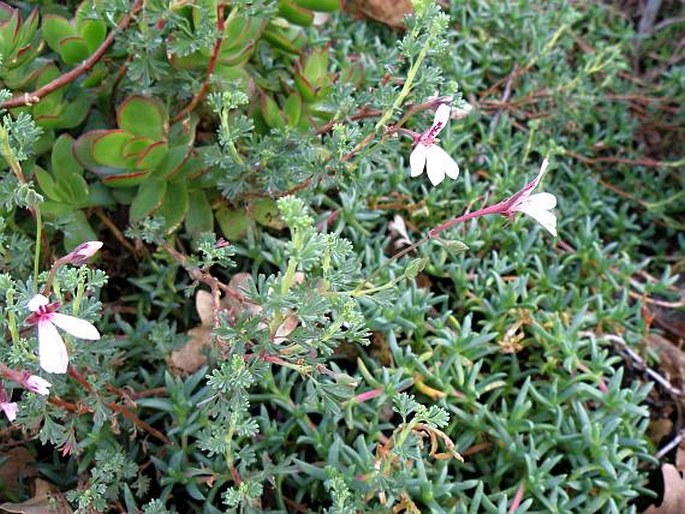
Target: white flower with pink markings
pixel 52 352
pixel 537 206
pixel 427 155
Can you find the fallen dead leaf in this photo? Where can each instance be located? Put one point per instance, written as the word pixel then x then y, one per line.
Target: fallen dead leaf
pixel 47 499
pixel 671 320
pixel 671 359
pixel 660 428
pixel 284 329
pixel 390 12
pixel 191 356
pixel 204 304
pixel 680 459
pixel 16 467
pixel 674 492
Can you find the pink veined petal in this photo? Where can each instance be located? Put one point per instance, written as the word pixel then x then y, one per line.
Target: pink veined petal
pixel 83 252
pixel 38 385
pixel 10 410
pixel 541 201
pixel 417 160
pixel 77 327
pixel 545 218
pixel 442 116
pixel 37 302
pixel 52 353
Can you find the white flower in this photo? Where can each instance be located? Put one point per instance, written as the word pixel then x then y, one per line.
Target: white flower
pixel 38 385
pixel 52 351
pixel 10 410
pixel 537 205
pixel 429 156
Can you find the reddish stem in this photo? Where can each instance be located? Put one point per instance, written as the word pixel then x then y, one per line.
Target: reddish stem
pixel 368 395
pixel 120 409
pixel 85 66
pixel 200 95
pixel 498 208
pixel 518 498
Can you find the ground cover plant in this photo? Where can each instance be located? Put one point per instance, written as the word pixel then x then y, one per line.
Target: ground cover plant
pixel 283 256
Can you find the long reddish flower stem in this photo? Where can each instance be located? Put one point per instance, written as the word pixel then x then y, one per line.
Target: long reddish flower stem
pixel 85 66
pixel 498 208
pixel 120 409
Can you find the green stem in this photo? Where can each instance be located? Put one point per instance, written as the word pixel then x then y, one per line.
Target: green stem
pixel 36 256
pixel 411 75
pixel 80 289
pixel 11 318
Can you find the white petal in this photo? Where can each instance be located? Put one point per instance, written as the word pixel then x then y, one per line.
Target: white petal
pixel 434 167
pixel 450 167
pixel 541 201
pixel 442 116
pixel 52 352
pixel 438 164
pixel 545 218
pixel 541 173
pixel 77 327
pixel 37 302
pixel 417 160
pixel 10 410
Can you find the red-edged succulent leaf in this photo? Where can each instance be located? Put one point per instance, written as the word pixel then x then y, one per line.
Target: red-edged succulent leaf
pixel 108 149
pixel 126 178
pixel 55 29
pixel 152 156
pixel 143 116
pixel 83 152
pixel 73 49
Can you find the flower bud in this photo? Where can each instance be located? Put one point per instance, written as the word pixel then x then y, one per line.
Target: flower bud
pixel 83 252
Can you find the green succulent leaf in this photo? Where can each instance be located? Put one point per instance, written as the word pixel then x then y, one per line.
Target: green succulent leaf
pixel 93 33
pixel 175 205
pixel 200 218
pixel 55 29
pixel 73 49
pixel 319 5
pixel 233 223
pixel 295 13
pixel 109 148
pixel 143 116
pixel 149 197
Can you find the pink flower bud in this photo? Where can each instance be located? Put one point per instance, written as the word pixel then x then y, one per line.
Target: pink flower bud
pixel 83 252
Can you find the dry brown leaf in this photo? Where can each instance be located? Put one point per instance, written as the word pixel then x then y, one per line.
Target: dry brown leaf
pixel 47 499
pixel 660 428
pixel 284 329
pixel 671 320
pixel 204 304
pixel 680 459
pixel 671 359
pixel 390 12
pixel 674 492
pixel 16 467
pixel 191 356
